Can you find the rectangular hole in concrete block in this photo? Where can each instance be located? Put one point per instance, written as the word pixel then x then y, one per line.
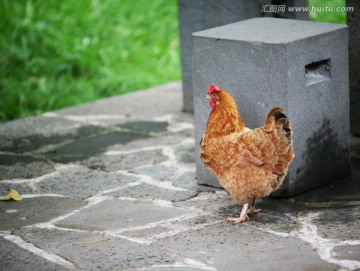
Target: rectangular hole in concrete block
pixel 316 72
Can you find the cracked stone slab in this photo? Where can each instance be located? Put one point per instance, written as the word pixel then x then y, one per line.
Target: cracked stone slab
pixel 37 138
pixel 185 134
pixel 31 126
pixel 158 172
pixel 152 142
pixel 145 127
pixel 14 258
pixel 339 222
pixel 153 192
pixel 225 252
pixel 17 214
pixel 170 227
pixel 112 254
pixel 182 116
pixel 186 154
pixel 23 167
pixel 124 161
pixel 187 180
pixel 200 221
pixel 86 147
pixel 350 252
pixel 81 182
pixel 113 214
pixel 145 233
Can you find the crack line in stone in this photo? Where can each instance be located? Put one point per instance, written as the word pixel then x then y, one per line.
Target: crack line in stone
pixel 32 180
pixel 29 196
pixel 167 118
pixel 40 252
pixel 123 152
pixel 182 261
pixel 309 234
pixel 177 229
pixel 91 202
pixel 324 247
pixel 180 229
pixel 187 263
pixel 101 193
pixel 179 127
pixel 159 202
pixel 152 225
pixel 150 180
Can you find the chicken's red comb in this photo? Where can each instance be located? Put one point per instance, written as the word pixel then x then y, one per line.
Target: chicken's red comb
pixel 212 88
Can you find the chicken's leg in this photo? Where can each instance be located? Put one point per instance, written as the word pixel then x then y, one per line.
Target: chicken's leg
pixel 252 209
pixel 243 215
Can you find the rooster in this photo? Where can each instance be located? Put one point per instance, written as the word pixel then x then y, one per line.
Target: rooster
pixel 249 164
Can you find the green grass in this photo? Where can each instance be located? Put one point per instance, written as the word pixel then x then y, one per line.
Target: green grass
pixel 55 54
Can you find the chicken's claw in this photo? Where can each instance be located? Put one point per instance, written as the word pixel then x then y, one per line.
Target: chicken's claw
pixel 238 220
pixel 252 210
pixel 243 215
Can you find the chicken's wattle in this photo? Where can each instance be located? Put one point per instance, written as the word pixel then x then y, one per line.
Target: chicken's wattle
pixel 212 103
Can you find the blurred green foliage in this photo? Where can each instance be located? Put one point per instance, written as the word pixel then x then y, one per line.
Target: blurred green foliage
pixel 325 11
pixel 55 53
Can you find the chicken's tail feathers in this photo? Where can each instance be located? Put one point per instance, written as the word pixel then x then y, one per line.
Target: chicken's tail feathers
pixel 277 116
pixel 278 127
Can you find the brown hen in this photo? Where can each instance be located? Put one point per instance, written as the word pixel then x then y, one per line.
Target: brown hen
pixel 249 164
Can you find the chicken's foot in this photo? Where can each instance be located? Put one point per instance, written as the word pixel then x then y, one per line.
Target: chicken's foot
pixel 246 210
pixel 243 215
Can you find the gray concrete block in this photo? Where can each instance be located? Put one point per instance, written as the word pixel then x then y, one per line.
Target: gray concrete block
pixel 353 20
pixel 203 14
pixel 301 66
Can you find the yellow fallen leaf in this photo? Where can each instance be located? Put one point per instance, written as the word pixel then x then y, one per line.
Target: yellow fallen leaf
pixel 13 195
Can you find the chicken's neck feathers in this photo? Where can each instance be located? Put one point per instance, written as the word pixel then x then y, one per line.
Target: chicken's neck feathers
pixel 225 119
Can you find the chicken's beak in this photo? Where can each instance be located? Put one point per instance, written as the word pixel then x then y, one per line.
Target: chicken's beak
pixel 207 96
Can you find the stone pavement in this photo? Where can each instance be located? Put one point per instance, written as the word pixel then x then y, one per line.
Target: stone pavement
pixel 111 185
